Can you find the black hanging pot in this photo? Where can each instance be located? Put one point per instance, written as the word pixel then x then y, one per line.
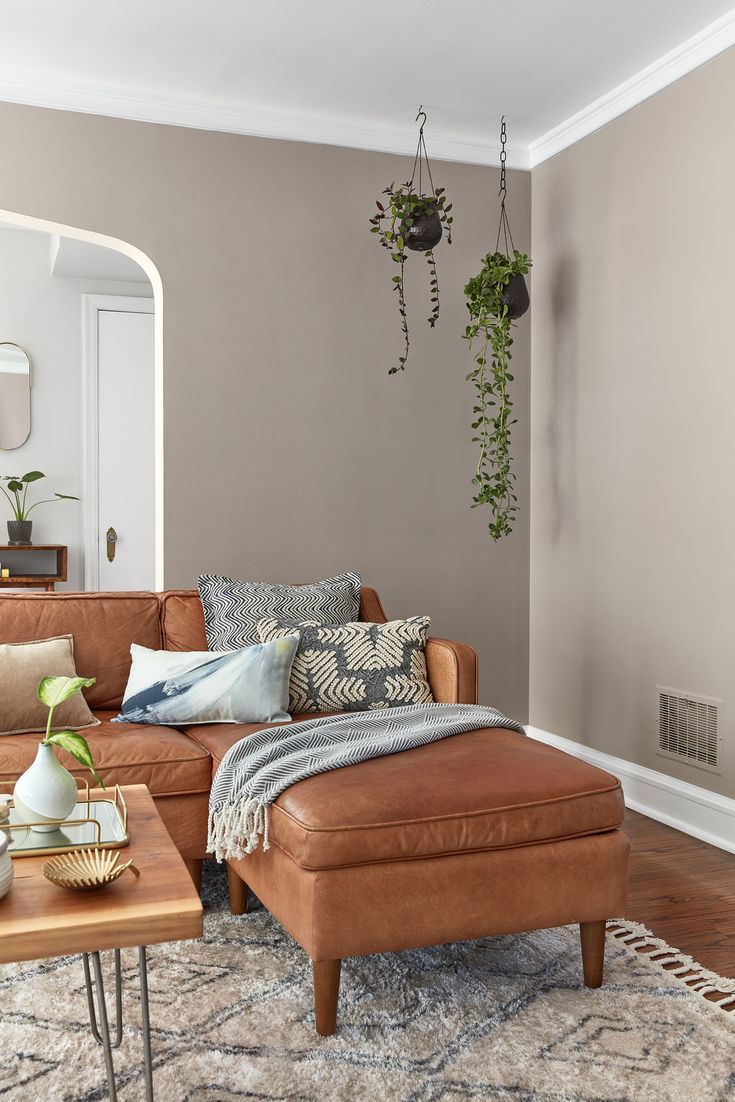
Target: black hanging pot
pixel 515 297
pixel 424 233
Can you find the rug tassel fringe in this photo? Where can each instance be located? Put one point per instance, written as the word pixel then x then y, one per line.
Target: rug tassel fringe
pixel 684 968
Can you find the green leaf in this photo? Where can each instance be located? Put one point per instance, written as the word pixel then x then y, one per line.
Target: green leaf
pixel 32 476
pixel 67 497
pixel 76 745
pixel 15 486
pixel 53 691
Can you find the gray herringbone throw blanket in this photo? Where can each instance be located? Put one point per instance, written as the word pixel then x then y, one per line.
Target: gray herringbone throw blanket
pixel 258 768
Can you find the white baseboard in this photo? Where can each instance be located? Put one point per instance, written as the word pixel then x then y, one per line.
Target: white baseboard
pixel 686 807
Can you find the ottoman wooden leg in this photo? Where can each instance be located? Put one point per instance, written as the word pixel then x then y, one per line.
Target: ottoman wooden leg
pixel 592 936
pixel 238 890
pixel 326 994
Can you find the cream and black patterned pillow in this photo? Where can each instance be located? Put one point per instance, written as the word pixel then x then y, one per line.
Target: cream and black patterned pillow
pixel 355 667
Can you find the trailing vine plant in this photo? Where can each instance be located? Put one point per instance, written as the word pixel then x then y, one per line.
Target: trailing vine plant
pixel 490 325
pixel 495 297
pixel 410 219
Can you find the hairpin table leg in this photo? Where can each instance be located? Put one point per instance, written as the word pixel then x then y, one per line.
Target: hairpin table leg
pixel 118 1001
pixel 146 1021
pixel 101 1034
pixel 101 1029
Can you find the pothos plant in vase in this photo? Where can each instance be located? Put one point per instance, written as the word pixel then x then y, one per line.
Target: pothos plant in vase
pixel 21 528
pixel 411 219
pixel 47 792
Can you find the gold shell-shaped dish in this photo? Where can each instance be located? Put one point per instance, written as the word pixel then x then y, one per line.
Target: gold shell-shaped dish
pixel 86 869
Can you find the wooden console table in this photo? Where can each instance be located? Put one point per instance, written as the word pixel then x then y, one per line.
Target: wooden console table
pixel 33 581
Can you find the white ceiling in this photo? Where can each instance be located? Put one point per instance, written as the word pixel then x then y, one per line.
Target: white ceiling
pixel 353 72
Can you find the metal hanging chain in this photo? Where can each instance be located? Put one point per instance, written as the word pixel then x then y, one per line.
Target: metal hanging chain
pixel 503 158
pixel 421 154
pixel 503 224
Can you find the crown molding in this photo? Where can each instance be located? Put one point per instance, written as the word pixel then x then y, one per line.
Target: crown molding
pixel 226 118
pixel 376 137
pixel 683 59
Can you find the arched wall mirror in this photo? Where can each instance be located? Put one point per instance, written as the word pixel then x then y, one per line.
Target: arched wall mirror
pixel 15 396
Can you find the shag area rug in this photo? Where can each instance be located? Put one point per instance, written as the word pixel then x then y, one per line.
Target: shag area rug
pixel 505 1018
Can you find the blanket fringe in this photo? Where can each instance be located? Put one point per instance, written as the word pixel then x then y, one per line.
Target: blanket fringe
pixel 684 968
pixel 234 829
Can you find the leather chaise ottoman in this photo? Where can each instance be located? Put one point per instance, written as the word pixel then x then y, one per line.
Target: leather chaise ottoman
pixel 487 832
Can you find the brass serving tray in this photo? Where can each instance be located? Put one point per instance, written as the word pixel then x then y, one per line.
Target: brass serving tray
pixel 101 823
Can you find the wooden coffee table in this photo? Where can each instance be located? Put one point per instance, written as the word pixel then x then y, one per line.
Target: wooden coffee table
pixel 39 920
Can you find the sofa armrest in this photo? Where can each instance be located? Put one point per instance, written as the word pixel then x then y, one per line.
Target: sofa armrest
pixel 452 670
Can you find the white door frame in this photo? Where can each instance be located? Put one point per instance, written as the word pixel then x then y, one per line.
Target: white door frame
pixel 92 305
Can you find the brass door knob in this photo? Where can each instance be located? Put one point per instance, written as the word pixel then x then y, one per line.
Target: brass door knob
pixel 111 543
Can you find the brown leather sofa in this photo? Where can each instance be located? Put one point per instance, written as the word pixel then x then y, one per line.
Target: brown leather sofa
pixel 483 833
pixel 176 765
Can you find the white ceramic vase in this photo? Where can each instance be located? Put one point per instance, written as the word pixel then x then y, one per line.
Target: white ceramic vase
pixel 6 865
pixel 46 791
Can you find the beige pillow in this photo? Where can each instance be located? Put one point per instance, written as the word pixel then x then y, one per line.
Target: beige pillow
pixel 22 666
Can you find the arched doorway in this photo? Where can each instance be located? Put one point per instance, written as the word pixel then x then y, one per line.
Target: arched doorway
pixel 78 243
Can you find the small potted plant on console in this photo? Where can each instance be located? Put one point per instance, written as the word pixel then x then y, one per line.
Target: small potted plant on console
pixel 20 529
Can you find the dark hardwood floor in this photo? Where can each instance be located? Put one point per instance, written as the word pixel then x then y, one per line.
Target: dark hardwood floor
pixel 684 891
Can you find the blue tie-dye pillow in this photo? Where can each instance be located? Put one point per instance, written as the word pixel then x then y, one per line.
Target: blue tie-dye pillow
pixel 178 687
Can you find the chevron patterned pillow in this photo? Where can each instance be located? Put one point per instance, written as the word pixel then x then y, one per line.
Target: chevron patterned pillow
pixel 355 667
pixel 232 609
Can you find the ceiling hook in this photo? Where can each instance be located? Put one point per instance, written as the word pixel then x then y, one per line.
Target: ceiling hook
pixel 421 112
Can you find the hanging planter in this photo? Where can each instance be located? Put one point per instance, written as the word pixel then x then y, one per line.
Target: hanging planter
pixel 496 296
pixel 411 220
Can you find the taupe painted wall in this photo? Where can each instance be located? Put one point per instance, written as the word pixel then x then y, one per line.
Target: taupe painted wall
pixel 633 451
pixel 289 452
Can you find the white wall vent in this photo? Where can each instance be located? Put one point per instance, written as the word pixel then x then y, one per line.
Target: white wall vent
pixel 688 728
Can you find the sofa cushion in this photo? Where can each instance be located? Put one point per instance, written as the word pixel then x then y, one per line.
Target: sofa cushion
pixel 182 620
pixel 483 790
pixel 103 626
pixel 217 738
pixel 123 753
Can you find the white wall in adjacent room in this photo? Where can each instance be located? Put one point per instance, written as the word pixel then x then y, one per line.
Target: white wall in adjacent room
pixel 43 314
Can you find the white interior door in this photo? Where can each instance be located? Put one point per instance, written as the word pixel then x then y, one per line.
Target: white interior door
pixel 125 434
